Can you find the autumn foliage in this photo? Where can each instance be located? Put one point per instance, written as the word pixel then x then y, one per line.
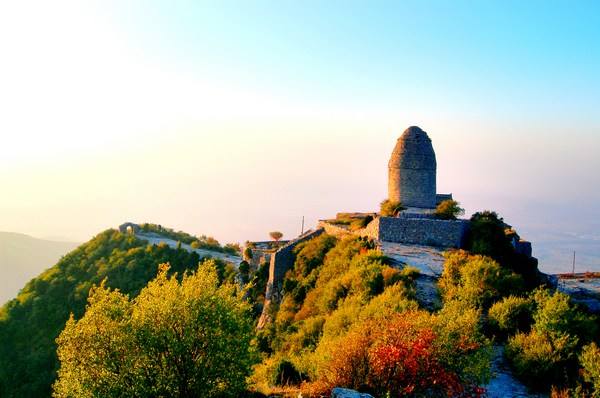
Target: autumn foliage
pixel 402 357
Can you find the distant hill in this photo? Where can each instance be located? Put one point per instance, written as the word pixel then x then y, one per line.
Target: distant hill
pixel 30 323
pixel 22 257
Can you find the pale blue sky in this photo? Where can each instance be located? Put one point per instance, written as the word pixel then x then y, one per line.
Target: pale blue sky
pixel 235 118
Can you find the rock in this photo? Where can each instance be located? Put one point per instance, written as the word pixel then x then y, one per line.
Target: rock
pixel 347 393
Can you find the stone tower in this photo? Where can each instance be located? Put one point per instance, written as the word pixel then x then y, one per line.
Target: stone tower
pixel 412 170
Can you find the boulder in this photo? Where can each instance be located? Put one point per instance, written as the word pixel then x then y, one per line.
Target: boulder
pixel 347 393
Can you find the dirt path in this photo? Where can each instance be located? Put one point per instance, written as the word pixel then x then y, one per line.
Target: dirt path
pixel 155 239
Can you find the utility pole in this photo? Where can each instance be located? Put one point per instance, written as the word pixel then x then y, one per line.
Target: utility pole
pixel 302 233
pixel 573 262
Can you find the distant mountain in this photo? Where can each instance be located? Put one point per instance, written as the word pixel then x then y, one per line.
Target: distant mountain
pixel 22 257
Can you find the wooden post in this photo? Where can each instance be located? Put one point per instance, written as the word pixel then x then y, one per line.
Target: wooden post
pixel 302 233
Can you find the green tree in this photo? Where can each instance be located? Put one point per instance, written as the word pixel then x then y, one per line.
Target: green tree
pixel 487 235
pixel 176 339
pixel 247 254
pixel 449 210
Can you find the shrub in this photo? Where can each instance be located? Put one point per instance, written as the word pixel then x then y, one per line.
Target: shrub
pixel 449 210
pixel 547 354
pixel 408 364
pixel 392 276
pixel 477 280
pixel 556 316
pixel 286 374
pixel 401 355
pixel 311 254
pixel 512 314
pixel 540 361
pixel 390 209
pixel 590 362
pixel 360 223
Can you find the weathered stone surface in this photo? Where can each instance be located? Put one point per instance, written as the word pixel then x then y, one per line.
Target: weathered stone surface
pixel 412 170
pixel 347 393
pixel 428 260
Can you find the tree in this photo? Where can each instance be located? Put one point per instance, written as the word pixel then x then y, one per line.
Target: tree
pixel 179 339
pixel 449 210
pixel 276 235
pixel 43 306
pixel 247 254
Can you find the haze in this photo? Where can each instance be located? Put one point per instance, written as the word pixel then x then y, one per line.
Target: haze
pixel 236 119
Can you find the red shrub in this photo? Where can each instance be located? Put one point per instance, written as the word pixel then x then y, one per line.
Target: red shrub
pixel 408 366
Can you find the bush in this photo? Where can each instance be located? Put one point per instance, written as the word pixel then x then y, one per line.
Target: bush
pixel 360 223
pixel 477 280
pixel 407 275
pixel 449 210
pixel 590 362
pixel 401 355
pixel 511 315
pixel 556 316
pixel 311 254
pixel 547 355
pixel 486 235
pixel 390 209
pixel 540 361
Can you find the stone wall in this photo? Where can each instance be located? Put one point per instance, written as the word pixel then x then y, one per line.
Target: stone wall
pixel 420 231
pixel 410 229
pixel 332 229
pixel 281 261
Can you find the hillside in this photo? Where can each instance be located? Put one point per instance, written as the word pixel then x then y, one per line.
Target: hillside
pixel 30 323
pixel 22 257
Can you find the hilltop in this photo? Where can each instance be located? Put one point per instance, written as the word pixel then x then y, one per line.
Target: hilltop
pixel 22 257
pixel 30 323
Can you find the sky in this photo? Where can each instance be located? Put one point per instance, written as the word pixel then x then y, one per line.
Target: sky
pixel 233 119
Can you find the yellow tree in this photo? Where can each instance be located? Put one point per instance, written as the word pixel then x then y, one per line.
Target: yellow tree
pixel 176 339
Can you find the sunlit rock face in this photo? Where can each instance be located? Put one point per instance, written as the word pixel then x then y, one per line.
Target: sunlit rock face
pixel 412 170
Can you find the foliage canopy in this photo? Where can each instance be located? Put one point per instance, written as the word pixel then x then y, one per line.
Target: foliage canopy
pixel 176 339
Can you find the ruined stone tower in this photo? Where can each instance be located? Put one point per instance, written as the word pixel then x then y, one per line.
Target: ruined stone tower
pixel 412 170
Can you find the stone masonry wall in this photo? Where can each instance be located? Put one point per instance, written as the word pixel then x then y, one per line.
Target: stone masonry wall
pixel 332 229
pixel 419 231
pixel 370 231
pixel 281 261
